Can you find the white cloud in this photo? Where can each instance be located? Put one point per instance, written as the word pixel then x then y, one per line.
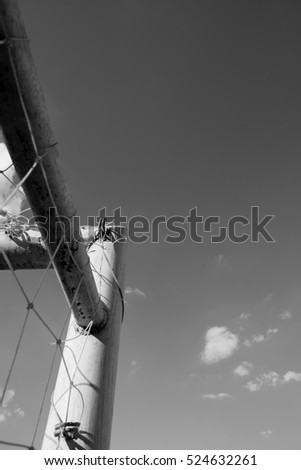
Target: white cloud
pixel 19 412
pixel 7 410
pixel 216 396
pixel 271 332
pixel 260 338
pixel 13 206
pixel 285 315
pixel 252 387
pixel 220 344
pixel 257 338
pixel 266 434
pixel 272 379
pixel 290 375
pixel 243 369
pixel 9 395
pixel 134 290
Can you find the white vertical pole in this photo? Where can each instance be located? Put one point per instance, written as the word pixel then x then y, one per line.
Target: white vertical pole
pixel 91 362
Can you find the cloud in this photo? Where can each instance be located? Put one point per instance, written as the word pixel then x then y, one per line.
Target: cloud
pixel 243 369
pixel 260 338
pixel 271 332
pixel 257 339
pixel 220 344
pixel 268 297
pixel 252 387
pixel 134 367
pixel 285 315
pixel 244 316
pixel 19 412
pixel 14 205
pixel 290 375
pixel 135 291
pixel 266 434
pixel 242 320
pixel 216 396
pixel 272 379
pixel 9 395
pixel 7 410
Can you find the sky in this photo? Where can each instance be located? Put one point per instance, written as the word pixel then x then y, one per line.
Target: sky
pixel 159 107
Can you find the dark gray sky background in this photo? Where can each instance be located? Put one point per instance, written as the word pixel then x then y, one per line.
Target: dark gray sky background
pixel 159 107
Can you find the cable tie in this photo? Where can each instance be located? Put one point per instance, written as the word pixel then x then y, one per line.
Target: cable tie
pixel 68 430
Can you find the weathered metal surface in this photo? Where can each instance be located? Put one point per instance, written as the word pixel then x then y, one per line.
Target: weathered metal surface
pixel 93 373
pixel 29 138
pixel 23 254
pixel 28 251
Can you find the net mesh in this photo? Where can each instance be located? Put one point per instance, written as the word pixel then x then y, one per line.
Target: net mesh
pixel 34 325
pixel 34 311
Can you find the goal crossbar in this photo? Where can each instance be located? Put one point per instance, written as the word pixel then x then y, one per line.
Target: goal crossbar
pixel 34 152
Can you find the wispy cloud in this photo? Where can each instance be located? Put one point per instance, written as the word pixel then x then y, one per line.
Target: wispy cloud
pixel 220 344
pixel 266 434
pixel 271 332
pixel 134 367
pixel 7 410
pixel 244 316
pixel 134 291
pixel 269 379
pixel 260 338
pixel 285 315
pixel 216 396
pixel 272 379
pixel 268 297
pixel 242 321
pixel 243 369
pixel 18 411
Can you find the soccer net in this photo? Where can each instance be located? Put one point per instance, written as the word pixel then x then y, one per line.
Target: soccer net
pixel 38 232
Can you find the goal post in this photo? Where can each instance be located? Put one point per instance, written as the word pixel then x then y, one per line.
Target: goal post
pixel 82 404
pixel 90 269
